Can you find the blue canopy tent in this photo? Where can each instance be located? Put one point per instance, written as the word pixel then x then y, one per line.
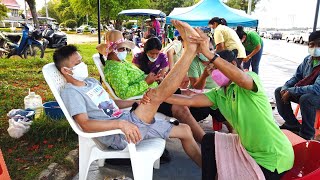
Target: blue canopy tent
pixel 200 14
pixel 143 12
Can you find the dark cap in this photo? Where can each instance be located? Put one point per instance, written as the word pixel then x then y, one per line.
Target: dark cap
pixel 314 35
pixel 227 55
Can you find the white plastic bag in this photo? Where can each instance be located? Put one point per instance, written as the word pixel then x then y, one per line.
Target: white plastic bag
pixel 18 128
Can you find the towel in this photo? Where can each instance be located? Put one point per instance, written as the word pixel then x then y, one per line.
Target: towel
pixel 233 161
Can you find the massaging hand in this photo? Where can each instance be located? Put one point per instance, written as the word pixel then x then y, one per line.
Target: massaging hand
pixel 285 95
pixel 131 131
pixel 203 41
pixel 208 70
pixel 145 99
pixel 152 77
pixel 246 59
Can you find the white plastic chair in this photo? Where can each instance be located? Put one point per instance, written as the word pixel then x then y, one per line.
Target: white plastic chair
pixel 144 156
pixel 99 65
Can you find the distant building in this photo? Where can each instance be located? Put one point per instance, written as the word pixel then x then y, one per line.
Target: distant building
pixel 13 14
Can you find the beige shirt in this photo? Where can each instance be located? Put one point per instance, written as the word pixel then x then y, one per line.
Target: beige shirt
pixel 226 35
pixel 178 49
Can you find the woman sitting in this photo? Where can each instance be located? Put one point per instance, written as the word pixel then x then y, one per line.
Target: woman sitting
pixel 151 60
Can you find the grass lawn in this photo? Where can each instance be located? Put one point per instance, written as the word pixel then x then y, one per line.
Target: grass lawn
pixel 47 141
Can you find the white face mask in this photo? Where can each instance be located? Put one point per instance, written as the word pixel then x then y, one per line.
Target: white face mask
pixel 314 52
pixel 80 71
pixel 122 55
pixel 152 59
pixel 212 30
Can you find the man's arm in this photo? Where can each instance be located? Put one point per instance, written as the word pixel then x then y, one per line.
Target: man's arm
pixel 296 77
pixel 89 125
pixel 199 100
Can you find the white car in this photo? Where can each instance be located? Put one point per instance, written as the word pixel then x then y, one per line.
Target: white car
pixel 82 28
pixel 291 36
pixel 303 36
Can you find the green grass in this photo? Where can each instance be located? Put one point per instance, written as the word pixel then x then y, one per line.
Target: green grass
pixel 47 141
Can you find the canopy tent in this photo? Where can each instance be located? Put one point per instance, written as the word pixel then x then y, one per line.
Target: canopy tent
pixel 143 12
pixel 200 14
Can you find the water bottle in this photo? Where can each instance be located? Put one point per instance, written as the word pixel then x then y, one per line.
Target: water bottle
pixel 34 101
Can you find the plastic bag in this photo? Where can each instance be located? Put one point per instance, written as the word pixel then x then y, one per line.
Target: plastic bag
pixel 19 122
pixel 18 128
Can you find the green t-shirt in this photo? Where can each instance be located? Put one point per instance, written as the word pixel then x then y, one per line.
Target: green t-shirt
pixel 251 116
pixel 252 41
pixel 126 79
pixel 196 69
pixel 315 63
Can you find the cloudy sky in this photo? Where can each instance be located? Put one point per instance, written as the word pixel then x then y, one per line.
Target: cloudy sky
pixel 286 13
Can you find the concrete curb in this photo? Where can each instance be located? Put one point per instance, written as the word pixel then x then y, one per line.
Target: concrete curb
pixel 60 172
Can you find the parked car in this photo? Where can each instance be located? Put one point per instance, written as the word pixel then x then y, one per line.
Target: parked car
pixel 275 35
pixel 262 33
pixel 291 36
pixel 303 37
pixel 82 28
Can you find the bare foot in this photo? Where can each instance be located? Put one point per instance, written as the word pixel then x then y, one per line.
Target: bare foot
pixel 186 31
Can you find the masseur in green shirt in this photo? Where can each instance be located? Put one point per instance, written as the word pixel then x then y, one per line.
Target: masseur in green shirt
pixel 243 102
pixel 253 44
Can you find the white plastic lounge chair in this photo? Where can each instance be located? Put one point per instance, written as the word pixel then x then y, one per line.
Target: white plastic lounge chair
pixel 144 156
pixel 99 65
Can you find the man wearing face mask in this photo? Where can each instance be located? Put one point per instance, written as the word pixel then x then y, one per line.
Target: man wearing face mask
pixel 302 88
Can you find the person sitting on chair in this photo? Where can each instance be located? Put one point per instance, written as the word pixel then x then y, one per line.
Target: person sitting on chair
pixel 302 88
pixel 83 95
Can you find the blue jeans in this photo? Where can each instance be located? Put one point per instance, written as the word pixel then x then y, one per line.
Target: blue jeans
pixel 254 61
pixel 309 103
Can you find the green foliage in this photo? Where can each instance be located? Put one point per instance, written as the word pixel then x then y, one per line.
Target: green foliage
pixel 129 25
pixel 241 4
pixel 5 29
pixel 3 12
pixel 71 23
pixel 47 141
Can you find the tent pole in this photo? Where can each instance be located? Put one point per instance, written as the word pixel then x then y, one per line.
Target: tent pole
pixel 316 16
pixel 99 33
pixel 99 23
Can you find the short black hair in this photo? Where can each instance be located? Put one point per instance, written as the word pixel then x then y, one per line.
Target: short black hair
pixel 152 43
pixel 230 56
pixel 314 36
pixel 219 21
pixel 62 54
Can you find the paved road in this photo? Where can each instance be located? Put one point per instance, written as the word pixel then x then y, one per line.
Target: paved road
pixel 81 38
pixel 279 62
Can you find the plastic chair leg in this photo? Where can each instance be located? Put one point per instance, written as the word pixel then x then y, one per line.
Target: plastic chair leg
pixel 84 159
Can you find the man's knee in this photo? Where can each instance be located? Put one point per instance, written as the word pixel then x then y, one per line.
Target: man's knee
pixel 277 91
pixel 180 111
pixel 186 128
pixel 305 99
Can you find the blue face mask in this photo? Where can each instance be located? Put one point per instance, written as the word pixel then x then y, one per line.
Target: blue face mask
pixel 122 55
pixel 314 52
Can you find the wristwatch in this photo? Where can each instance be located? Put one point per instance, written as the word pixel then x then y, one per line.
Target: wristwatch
pixel 214 57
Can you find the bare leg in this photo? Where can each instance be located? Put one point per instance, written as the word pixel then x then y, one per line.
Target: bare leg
pixel 172 81
pixel 183 132
pixel 182 113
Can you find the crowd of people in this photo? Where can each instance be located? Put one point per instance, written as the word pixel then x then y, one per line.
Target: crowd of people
pixel 189 79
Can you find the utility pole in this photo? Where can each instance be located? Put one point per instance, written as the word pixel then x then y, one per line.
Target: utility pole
pixel 47 14
pixel 316 16
pixel 25 11
pixel 249 7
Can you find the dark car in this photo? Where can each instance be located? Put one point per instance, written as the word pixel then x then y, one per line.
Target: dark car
pixel 276 35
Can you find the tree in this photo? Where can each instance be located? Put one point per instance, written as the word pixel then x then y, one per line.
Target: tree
pixel 241 4
pixel 52 5
pixel 32 6
pixel 3 11
pixel 71 23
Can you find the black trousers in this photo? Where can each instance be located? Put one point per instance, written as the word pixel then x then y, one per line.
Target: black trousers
pixel 209 166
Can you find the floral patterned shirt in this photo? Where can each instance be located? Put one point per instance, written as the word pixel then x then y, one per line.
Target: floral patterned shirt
pixel 126 79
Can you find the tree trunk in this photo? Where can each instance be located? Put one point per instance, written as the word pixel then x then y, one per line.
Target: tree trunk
pixel 32 6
